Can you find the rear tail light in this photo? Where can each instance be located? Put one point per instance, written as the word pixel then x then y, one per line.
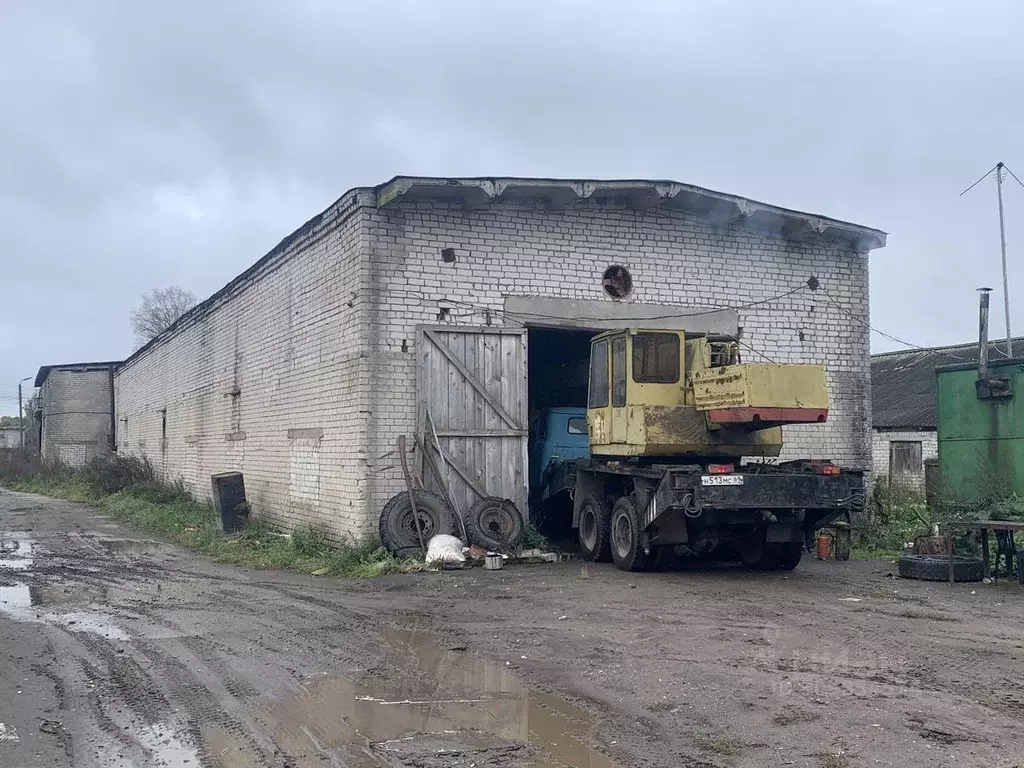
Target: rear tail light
pixel 723 469
pixel 826 469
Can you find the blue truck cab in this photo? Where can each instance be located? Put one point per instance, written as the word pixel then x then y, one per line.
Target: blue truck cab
pixel 559 437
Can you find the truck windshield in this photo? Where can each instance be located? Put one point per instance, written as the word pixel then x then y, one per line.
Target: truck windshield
pixel 656 358
pixel 578 425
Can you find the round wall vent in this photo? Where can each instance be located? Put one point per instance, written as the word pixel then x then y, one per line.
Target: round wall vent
pixel 617 282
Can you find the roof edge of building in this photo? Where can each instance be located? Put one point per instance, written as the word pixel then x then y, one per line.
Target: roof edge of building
pixel 45 370
pixel 720 207
pixel 344 206
pixel 478 191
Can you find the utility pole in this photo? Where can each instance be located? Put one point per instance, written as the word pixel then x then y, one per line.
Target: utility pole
pixel 1000 167
pixel 1002 245
pixel 21 417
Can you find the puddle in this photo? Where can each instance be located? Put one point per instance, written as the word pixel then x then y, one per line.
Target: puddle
pixel 67 593
pixel 15 598
pixel 132 546
pixel 435 707
pixel 168 747
pixel 15 552
pixel 22 602
pixel 19 602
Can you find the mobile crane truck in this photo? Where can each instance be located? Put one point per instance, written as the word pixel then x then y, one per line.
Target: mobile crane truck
pixel 670 417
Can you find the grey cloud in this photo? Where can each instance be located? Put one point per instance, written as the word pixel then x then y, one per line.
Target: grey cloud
pixel 155 143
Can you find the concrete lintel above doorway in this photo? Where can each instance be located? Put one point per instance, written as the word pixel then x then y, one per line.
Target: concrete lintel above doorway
pixel 602 315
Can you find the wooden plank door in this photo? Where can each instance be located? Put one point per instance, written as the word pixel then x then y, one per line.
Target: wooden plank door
pixel 473 381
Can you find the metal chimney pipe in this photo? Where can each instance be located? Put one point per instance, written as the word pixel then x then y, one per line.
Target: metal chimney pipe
pixel 983 334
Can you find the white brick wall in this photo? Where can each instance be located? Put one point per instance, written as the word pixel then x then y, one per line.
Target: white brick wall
pixel 880 440
pixel 288 343
pixel 523 249
pixel 321 343
pixel 76 415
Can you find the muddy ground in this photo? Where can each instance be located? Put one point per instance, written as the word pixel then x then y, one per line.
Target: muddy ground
pixel 116 650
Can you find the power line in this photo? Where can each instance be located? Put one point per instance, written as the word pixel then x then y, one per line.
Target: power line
pixel 985 176
pixel 1007 169
pixel 889 336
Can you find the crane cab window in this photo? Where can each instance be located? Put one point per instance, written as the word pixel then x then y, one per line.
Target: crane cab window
pixel 619 372
pixel 598 397
pixel 656 358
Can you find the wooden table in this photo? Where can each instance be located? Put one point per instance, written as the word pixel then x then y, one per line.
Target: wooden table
pixel 978 525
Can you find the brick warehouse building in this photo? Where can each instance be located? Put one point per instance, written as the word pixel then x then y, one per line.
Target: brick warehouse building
pixel 76 411
pixel 475 299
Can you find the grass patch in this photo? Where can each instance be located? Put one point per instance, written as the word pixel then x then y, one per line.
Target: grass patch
pixel 124 490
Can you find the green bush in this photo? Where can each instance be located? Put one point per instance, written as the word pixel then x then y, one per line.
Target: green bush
pixel 896 514
pixel 113 473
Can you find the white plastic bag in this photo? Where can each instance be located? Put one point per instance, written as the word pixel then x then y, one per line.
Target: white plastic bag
pixel 444 548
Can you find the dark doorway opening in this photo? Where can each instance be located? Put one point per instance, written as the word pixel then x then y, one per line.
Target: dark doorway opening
pixel 557 369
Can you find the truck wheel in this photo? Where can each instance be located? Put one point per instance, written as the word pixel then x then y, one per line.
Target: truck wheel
pixel 625 536
pixel 790 554
pixel 758 554
pixel 595 514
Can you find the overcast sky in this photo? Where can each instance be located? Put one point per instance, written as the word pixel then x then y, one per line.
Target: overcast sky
pixel 152 143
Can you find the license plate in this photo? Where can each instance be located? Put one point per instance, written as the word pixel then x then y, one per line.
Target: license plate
pixel 721 479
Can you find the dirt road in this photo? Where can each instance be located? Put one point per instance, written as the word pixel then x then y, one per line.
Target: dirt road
pixel 121 651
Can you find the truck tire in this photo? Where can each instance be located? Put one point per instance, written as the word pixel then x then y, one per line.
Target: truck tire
pixel 661 558
pixel 625 536
pixel 592 532
pixel 397 525
pixel 757 554
pixel 936 568
pixel 790 554
pixel 494 523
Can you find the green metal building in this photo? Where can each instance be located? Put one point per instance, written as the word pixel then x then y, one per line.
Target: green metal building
pixel 981 431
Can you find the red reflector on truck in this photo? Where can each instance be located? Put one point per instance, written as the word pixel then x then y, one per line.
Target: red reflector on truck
pixel 722 469
pixel 826 469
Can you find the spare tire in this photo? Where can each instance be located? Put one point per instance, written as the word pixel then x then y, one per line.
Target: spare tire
pixel 936 568
pixel 398 525
pixel 495 524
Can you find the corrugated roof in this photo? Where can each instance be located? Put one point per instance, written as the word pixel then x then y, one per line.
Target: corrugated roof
pixel 903 388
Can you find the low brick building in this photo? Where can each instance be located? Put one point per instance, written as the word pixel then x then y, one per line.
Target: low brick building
pixel 905 408
pixel 474 299
pixel 76 411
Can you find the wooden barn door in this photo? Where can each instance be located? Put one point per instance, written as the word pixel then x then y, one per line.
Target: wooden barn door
pixel 473 381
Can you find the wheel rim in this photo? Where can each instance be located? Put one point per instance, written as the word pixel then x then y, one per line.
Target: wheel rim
pixel 588 529
pixel 408 526
pixel 622 534
pixel 496 522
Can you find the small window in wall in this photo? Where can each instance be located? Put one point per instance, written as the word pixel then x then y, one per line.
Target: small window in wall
pixel 578 425
pixel 905 458
pixel 598 375
pixel 619 372
pixel 656 358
